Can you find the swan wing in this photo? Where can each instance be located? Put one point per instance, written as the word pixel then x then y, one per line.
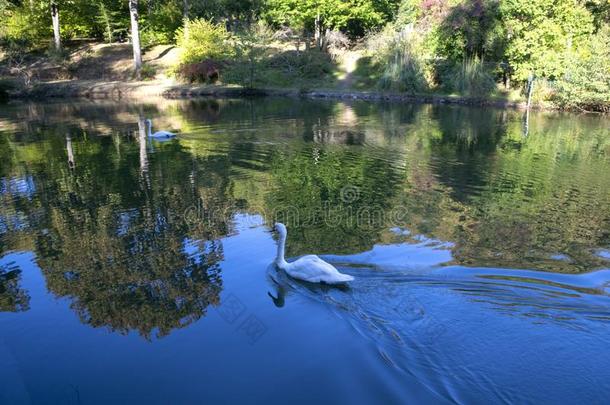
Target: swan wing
pixel 313 269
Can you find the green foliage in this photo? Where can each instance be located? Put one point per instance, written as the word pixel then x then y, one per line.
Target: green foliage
pixel 21 24
pixel 550 39
pixel 233 11
pixel 149 37
pixel 585 83
pixel 161 22
pixel 111 23
pixel 541 32
pixel 353 16
pixel 202 39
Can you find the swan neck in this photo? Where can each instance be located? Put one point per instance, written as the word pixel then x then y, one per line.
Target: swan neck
pixel 281 247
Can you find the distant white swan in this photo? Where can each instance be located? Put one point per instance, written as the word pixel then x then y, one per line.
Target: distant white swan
pixel 308 268
pixel 159 134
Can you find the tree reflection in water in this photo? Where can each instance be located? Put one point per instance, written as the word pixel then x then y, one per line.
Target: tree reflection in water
pixel 12 297
pixel 109 229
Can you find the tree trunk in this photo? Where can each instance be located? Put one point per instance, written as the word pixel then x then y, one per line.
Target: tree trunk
pixel 55 18
pixel 185 18
pixel 135 38
pixel 317 30
pixel 185 11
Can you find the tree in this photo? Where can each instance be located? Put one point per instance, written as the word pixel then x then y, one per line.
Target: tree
pixel 135 37
pixel 353 16
pixel 540 32
pixel 55 19
pixel 251 46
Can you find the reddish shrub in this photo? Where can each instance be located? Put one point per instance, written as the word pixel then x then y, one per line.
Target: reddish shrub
pixel 205 71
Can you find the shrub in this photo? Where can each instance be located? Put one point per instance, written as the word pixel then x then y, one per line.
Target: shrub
pixel 57 56
pixel 202 39
pixel 148 72
pixel 207 71
pixel 16 58
pixel 335 43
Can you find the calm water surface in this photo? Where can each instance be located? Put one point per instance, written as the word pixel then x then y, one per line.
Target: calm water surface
pixel 134 270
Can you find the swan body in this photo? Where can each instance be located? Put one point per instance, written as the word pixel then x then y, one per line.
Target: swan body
pixel 307 268
pixel 158 134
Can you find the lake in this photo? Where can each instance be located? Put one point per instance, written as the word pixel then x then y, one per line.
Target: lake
pixel 137 270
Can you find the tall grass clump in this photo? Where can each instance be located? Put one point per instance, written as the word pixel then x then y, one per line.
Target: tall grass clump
pixel 401 60
pixel 469 78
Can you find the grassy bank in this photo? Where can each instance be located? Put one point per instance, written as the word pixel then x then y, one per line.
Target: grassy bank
pixel 96 70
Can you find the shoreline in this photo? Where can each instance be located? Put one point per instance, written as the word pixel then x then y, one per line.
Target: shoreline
pixel 134 91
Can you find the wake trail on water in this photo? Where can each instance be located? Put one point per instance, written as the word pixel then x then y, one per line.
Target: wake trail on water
pixel 445 325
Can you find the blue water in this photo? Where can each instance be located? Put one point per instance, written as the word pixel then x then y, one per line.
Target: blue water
pixel 119 286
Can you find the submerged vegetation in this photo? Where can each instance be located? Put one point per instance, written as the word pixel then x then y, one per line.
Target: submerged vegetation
pixel 480 48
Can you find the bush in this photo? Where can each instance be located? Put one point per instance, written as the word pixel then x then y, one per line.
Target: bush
pixel 470 78
pixel 207 71
pixel 16 58
pixel 202 39
pixel 336 43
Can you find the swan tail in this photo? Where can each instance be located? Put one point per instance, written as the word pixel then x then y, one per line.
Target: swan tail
pixel 344 278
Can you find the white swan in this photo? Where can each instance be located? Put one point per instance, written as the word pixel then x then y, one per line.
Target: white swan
pixel 159 134
pixel 308 268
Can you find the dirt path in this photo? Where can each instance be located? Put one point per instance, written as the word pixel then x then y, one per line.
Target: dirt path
pixel 349 63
